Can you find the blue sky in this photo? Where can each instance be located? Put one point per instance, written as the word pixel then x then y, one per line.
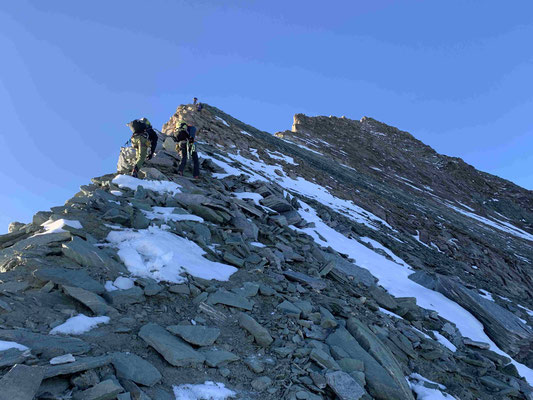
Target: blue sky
pixel 456 74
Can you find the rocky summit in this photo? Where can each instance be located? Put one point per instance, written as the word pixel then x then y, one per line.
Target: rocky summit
pixel 340 259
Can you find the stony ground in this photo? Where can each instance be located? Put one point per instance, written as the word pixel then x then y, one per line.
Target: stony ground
pixel 296 321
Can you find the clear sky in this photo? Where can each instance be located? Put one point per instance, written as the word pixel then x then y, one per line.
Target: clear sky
pixel 458 75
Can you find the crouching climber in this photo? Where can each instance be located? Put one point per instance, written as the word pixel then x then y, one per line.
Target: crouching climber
pixel 143 140
pixel 186 147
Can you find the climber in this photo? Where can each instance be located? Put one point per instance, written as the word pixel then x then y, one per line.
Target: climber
pixel 143 139
pixel 199 107
pixel 194 100
pixel 185 146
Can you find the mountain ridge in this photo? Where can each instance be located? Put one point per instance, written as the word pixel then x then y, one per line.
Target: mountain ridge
pixel 344 269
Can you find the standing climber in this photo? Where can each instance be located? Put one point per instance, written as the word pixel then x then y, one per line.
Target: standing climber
pixel 143 140
pixel 199 107
pixel 194 100
pixel 185 146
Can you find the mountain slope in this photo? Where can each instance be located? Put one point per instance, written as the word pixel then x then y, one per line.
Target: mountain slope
pixel 333 260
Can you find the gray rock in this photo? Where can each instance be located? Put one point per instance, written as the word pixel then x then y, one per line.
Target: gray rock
pixel 88 255
pixel 70 277
pixel 21 383
pixel 174 350
pixel 370 342
pixel 47 345
pixel 327 319
pixel 255 364
pixel 120 298
pixel 260 334
pixel 351 364
pixel 91 300
pixel 222 296
pixel 472 343
pixel 140 221
pixel 13 287
pixel 323 359
pixel 360 275
pixel 344 386
pixel 261 383
pixel 197 334
pixel 502 326
pixel 215 357
pixel 380 383
pixel 81 364
pixel 11 357
pixel 314 283
pixel 106 390
pixel 276 203
pixel 249 230
pixel 290 309
pixel 132 367
pixel 248 289
pixel 150 286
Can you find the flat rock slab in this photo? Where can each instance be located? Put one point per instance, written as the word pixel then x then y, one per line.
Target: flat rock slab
pixel 134 368
pixel 14 287
pixel 260 333
pixel 290 309
pixel 379 382
pixel 70 277
pixel 197 335
pixel 230 299
pixel 214 357
pixel 360 275
pixel 173 349
pixel 105 390
pixel 46 345
pixel 81 364
pixel 344 386
pixel 91 300
pixel 11 357
pixel 315 283
pixel 21 383
pixel 88 255
pixel 126 297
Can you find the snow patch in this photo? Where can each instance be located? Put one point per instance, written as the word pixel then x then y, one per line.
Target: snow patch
pixel 163 256
pixel 57 226
pixel 207 391
pixel 222 120
pixel 121 283
pixel 78 325
pixel 126 181
pixel 445 342
pixel 5 345
pixel 167 214
pixel 416 381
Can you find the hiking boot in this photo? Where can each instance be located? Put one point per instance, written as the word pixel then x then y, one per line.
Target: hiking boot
pixel 134 172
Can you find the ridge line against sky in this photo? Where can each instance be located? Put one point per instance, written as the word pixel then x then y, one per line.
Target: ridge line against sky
pixel 456 75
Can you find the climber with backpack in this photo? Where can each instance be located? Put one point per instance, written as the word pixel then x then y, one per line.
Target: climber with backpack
pixel 143 140
pixel 185 146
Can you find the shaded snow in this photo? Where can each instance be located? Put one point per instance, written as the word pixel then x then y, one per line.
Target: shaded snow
pixel 78 325
pixel 424 393
pixel 222 120
pixel 163 256
pixel 445 342
pixel 5 345
pixel 121 283
pixel 249 195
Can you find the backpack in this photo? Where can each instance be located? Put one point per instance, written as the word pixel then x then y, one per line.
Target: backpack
pixel 182 133
pixel 137 126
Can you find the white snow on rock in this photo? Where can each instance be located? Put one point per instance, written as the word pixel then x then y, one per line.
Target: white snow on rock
pixel 207 391
pixel 121 283
pixel 500 225
pixel 5 345
pixel 394 278
pixel 257 244
pixel 168 214
pixel 116 192
pixel 78 325
pixel 163 256
pixel 222 120
pixel 57 226
pixel 416 382
pixel 64 359
pixel 280 156
pixel 385 311
pixel 156 186
pixel 445 342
